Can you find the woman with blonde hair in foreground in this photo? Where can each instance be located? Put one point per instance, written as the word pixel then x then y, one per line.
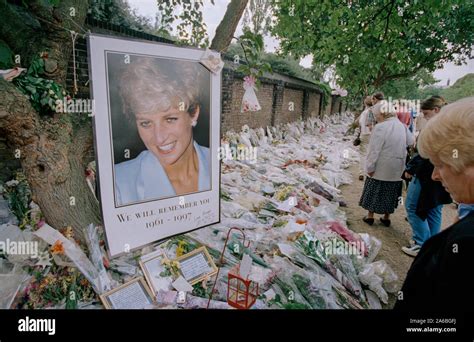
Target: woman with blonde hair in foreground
pixel 440 278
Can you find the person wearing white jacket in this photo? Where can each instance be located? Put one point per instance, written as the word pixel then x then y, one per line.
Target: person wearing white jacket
pixel 364 136
pixel 385 164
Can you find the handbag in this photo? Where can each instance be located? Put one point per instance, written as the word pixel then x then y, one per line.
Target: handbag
pixel 357 141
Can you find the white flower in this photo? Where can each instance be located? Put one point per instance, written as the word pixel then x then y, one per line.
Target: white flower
pixel 12 183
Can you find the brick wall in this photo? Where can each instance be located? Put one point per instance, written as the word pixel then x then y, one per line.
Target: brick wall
pixel 313 104
pixel 336 104
pixel 327 110
pixel 274 95
pixel 292 106
pixel 233 119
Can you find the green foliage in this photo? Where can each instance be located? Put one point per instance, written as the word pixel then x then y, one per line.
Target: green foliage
pixel 285 65
pixel 119 12
pixel 6 56
pixel 410 87
pixel 258 16
pixel 464 87
pixel 191 30
pixel 200 291
pixel 372 42
pixel 71 298
pixel 43 93
pixel 428 92
pixel 54 286
pixel 18 195
pixel 252 45
pixel 309 292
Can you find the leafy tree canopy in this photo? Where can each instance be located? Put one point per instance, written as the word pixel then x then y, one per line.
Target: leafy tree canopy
pixel 372 42
pixel 463 87
pixel 119 12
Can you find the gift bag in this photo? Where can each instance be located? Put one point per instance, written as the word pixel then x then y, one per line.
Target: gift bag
pixel 249 101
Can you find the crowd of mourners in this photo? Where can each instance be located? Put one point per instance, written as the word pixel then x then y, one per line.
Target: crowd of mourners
pixel 429 151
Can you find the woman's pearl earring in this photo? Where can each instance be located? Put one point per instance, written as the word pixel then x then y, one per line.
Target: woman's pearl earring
pixel 194 123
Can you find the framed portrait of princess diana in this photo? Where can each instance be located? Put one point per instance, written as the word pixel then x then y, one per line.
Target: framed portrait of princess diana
pixel 156 129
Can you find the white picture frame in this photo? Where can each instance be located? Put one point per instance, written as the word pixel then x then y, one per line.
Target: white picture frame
pixel 133 223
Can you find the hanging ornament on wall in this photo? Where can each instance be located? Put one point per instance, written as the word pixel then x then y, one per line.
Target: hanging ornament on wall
pixel 250 101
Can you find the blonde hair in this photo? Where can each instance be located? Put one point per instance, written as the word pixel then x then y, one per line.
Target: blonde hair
pixel 151 84
pixel 450 135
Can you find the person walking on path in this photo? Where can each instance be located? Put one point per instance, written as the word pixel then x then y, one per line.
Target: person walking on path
pixel 385 164
pixel 364 136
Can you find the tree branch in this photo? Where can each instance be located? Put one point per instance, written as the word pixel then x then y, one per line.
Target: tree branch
pixel 378 13
pixel 388 19
pixel 225 30
pixel 412 72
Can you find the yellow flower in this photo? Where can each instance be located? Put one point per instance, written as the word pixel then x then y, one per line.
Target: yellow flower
pixel 180 249
pixel 68 233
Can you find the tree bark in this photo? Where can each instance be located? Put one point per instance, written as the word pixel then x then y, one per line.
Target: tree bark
pixel 53 153
pixel 225 30
pixel 53 159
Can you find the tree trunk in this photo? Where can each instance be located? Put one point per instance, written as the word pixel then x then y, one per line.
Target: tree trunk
pixel 53 158
pixel 225 30
pixel 53 153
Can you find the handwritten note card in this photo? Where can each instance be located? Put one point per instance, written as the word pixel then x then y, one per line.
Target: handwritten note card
pixel 195 267
pixel 132 296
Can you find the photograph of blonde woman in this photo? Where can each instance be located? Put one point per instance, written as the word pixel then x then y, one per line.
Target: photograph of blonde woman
pixel 160 128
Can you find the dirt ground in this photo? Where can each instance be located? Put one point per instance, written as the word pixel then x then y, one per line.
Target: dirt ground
pixel 393 238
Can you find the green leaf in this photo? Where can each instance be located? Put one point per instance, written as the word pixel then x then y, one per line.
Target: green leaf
pixel 6 56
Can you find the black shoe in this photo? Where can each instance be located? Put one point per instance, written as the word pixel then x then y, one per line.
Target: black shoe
pixel 368 220
pixel 385 222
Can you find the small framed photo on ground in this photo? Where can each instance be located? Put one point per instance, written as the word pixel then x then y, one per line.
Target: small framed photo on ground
pixel 153 268
pixel 132 295
pixel 196 265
